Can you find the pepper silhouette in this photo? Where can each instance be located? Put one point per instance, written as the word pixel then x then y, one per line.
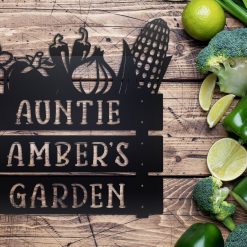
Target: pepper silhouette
pixel 59 52
pixel 80 50
pixel 5 59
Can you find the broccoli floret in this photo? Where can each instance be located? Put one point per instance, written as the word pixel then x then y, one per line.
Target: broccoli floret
pixel 226 56
pixel 237 238
pixel 210 198
pixel 226 209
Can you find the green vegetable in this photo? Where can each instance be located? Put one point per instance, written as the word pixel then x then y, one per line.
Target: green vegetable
pixel 245 3
pixel 239 3
pixel 236 121
pixel 237 238
pixel 239 193
pixel 226 56
pixel 210 198
pixel 234 9
pixel 201 235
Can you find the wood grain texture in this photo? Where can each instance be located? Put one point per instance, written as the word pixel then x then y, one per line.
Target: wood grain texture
pixel 28 25
pixel 111 231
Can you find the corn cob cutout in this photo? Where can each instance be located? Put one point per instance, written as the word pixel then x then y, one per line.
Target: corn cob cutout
pixel 149 52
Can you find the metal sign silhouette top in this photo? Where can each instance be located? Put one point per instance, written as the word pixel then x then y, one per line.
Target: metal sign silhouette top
pixel 78 90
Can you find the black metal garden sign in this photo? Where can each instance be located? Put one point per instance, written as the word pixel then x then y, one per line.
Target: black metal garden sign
pixel 39 94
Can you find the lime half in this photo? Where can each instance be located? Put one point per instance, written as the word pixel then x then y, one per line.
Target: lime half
pixel 219 109
pixel 227 159
pixel 206 91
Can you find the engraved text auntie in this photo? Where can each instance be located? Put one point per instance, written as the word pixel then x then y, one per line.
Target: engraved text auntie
pixel 41 112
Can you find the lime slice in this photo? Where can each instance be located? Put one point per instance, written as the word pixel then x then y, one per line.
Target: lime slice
pixel 219 109
pixel 206 91
pixel 227 159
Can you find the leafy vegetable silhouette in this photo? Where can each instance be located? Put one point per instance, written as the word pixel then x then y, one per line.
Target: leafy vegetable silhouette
pixel 126 76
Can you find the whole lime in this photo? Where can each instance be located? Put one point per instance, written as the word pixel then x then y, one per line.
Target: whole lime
pixel 202 19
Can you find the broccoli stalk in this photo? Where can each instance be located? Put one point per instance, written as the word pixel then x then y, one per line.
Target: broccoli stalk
pixel 210 198
pixel 237 238
pixel 226 56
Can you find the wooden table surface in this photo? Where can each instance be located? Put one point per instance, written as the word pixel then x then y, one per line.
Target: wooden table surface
pixel 28 25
